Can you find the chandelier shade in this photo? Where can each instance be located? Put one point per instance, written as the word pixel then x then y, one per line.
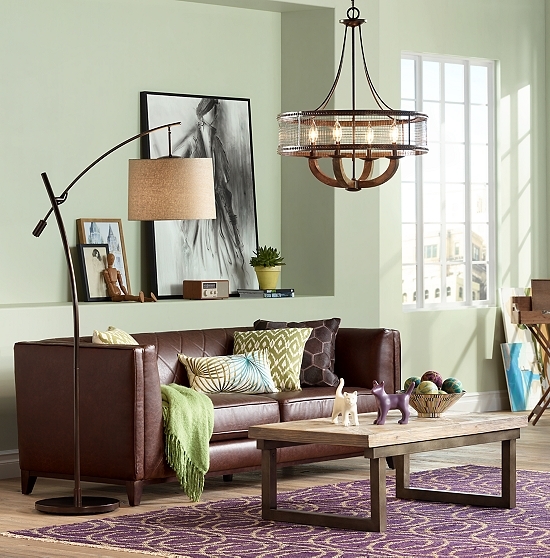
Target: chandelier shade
pixel 360 135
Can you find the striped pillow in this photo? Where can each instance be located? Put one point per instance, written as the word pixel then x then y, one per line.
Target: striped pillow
pixel 113 336
pixel 241 373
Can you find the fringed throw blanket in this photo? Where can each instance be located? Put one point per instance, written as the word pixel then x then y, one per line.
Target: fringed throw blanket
pixel 188 424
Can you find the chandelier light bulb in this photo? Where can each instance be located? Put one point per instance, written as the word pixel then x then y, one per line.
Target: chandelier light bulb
pixel 394 132
pixel 337 132
pixel 369 134
pixel 313 133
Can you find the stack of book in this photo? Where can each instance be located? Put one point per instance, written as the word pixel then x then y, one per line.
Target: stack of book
pixel 266 293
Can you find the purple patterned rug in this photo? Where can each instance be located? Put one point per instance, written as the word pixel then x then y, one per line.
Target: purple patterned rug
pixel 234 528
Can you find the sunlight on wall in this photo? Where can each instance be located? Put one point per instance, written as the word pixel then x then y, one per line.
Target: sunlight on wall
pixel 514 188
pixel 523 239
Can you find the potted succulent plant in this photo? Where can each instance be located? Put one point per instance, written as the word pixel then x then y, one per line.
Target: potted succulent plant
pixel 267 262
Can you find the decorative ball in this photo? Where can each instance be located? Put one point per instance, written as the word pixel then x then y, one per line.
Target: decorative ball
pixel 452 385
pixel 408 382
pixel 426 387
pixel 441 392
pixel 432 376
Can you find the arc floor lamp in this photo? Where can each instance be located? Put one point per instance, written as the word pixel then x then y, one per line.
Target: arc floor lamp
pixel 168 188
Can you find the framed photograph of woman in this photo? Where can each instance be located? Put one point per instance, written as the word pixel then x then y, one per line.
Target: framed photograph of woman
pixel 106 231
pixel 93 261
pixel 211 127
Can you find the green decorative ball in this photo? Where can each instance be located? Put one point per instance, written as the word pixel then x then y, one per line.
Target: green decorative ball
pixel 426 387
pixel 408 382
pixel 452 385
pixel 441 392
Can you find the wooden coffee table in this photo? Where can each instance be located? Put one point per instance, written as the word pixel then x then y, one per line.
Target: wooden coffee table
pixel 390 440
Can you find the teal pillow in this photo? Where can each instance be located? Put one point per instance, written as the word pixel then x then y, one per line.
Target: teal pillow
pixel 285 349
pixel 239 373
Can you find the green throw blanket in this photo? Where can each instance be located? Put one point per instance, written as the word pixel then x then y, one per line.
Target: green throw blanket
pixel 188 424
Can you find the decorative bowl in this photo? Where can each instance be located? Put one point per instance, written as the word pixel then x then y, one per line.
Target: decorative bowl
pixel 433 404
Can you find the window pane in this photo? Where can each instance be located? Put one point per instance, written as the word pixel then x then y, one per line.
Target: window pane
pixel 432 284
pixel 430 164
pixel 432 243
pixel 408 202
pixel 455 243
pixel 479 128
pixel 478 84
pixel 479 163
pixel 408 284
pixel 408 169
pixel 409 243
pixel 455 202
pixel 454 163
pixel 454 122
pixel 434 121
pixel 454 82
pixel 455 283
pixel 407 79
pixel 430 82
pixel 480 203
pixel 408 105
pixel 432 202
pixel 479 281
pixel 480 241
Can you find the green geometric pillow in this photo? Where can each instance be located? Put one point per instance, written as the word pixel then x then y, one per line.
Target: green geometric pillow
pixel 243 373
pixel 285 348
pixel 113 336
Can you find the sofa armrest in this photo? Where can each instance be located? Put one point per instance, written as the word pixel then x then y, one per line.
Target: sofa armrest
pixel 120 409
pixel 365 355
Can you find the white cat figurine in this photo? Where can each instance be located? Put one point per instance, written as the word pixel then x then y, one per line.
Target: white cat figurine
pixel 345 404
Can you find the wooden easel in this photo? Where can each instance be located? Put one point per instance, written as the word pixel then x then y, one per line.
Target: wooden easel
pixel 534 313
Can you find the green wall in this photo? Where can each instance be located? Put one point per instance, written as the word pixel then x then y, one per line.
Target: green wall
pixel 71 72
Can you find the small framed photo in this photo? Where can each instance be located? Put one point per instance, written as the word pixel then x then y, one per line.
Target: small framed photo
pixel 106 231
pixel 93 261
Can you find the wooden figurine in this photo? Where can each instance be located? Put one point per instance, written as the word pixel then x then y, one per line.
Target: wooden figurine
pixel 345 404
pixel 115 287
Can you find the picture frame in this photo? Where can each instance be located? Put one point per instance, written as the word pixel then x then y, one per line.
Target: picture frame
pixel 93 261
pixel 106 231
pixel 219 128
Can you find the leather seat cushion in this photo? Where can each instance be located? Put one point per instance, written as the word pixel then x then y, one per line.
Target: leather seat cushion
pixel 317 402
pixel 235 412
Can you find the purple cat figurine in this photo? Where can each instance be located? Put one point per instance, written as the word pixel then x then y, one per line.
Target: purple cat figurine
pixel 387 401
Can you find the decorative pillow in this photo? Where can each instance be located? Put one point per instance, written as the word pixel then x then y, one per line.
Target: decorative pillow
pixel 318 362
pixel 113 336
pixel 285 350
pixel 240 373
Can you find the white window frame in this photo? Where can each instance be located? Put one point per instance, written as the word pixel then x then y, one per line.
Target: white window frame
pixel 420 303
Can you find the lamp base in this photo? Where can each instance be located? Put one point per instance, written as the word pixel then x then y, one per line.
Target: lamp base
pixel 66 505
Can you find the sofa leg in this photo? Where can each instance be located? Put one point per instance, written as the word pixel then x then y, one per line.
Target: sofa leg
pixel 389 461
pixel 227 478
pixel 134 490
pixel 27 482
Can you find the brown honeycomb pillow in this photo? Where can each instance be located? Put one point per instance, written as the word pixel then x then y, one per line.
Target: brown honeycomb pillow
pixel 318 361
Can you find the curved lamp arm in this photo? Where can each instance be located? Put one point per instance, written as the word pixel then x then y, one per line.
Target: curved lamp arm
pixel 41 225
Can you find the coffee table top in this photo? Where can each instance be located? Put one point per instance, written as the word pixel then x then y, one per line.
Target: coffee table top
pixel 369 435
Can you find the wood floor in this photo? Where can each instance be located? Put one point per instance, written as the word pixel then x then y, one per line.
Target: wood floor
pixel 17 511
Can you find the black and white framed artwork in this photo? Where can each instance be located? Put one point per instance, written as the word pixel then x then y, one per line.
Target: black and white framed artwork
pixel 217 128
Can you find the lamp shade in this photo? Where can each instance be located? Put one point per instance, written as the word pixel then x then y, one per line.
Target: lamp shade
pixel 170 188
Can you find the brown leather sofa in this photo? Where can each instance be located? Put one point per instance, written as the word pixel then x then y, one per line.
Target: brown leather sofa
pixel 121 414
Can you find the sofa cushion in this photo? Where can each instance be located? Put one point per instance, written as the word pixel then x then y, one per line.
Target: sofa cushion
pixel 113 336
pixel 317 367
pixel 244 373
pixel 317 402
pixel 285 348
pixel 234 413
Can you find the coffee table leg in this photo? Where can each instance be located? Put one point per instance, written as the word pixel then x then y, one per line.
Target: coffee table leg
pixel 269 482
pixel 507 499
pixel 378 495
